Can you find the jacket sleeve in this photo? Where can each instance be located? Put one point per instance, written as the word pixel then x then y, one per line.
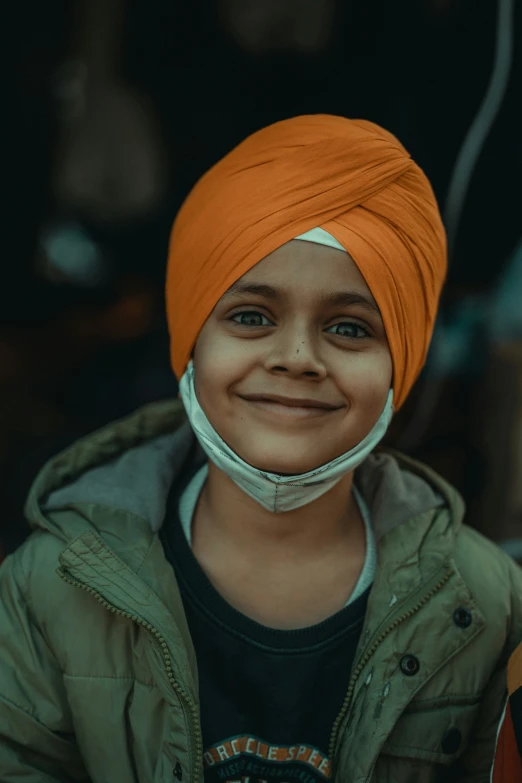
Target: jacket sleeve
pixel 36 735
pixel 476 764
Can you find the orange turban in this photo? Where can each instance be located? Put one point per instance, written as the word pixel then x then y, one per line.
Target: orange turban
pixel 349 177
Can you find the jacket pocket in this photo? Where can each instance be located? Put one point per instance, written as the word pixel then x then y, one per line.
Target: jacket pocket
pixel 427 740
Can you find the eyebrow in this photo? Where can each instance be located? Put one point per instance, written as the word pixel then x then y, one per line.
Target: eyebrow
pixel 336 299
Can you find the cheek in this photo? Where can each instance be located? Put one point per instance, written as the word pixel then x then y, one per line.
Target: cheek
pixel 217 372
pixel 219 360
pixel 217 368
pixel 367 378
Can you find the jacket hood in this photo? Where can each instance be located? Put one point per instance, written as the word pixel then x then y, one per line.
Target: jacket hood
pixel 118 479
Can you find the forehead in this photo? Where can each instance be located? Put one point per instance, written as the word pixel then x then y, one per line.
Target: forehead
pixel 298 264
pixel 302 268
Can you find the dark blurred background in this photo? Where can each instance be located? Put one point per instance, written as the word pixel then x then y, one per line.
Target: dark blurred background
pixel 114 108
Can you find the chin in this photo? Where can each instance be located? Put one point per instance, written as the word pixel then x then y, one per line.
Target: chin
pixel 279 466
pixel 290 456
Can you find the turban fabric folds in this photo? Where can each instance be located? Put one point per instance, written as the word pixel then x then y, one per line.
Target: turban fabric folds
pixel 349 177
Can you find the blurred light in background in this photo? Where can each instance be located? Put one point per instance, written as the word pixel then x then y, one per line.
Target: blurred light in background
pixel 70 255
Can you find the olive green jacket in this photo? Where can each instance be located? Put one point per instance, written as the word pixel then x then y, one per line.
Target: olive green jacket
pixel 98 674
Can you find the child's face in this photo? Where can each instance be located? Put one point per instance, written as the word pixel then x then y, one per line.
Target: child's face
pixel 299 347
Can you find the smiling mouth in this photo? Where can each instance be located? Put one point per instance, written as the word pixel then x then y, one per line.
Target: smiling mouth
pixel 289 412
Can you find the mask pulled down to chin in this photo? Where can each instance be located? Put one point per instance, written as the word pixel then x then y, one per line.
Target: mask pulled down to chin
pixel 273 491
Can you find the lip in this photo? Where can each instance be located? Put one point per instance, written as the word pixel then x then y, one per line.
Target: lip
pixel 289 412
pixel 291 402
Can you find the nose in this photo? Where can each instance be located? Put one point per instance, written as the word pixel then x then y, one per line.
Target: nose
pixel 296 351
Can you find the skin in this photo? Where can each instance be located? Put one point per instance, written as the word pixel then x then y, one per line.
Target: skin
pixel 297 347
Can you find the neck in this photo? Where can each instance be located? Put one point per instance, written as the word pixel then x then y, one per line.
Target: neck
pixel 227 514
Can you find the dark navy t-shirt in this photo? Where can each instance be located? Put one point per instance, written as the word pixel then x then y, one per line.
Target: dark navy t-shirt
pixel 269 697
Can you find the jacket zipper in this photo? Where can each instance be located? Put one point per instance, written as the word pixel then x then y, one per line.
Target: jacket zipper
pixel 194 725
pixel 366 657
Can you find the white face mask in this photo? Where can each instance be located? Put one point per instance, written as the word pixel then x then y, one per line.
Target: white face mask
pixel 273 492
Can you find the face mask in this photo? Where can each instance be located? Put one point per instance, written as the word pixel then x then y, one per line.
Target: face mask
pixel 273 492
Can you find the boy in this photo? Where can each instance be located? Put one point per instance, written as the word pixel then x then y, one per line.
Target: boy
pixel 235 587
